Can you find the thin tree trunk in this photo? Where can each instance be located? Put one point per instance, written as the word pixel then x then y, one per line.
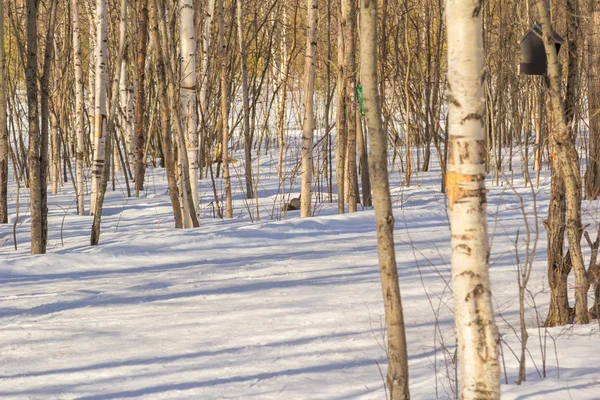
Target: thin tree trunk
pixel 308 123
pixel 35 197
pixel 140 96
pixel 340 124
pixel 3 127
pixel 245 103
pixel 55 146
pixel 166 52
pixel 100 127
pixel 397 374
pixel 79 110
pixel 592 175
pixel 167 141
pixel 206 43
pixel 477 335
pixel 109 120
pixel 123 104
pixel 349 24
pixel 286 60
pixel 130 129
pixel 189 108
pixel 45 119
pixel 539 138
pixel 364 162
pixel 407 131
pixel 224 110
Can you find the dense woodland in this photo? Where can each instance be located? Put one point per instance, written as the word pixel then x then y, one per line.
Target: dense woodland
pixel 94 92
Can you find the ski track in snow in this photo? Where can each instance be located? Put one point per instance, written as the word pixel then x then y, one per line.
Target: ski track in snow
pixel 269 309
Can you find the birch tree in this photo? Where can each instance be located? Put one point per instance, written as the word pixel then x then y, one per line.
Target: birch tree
pixel 123 115
pixel 167 140
pixel 477 335
pixel 3 127
pixel 188 94
pixel 110 122
pixel 245 102
pixel 165 54
pixel 397 374
pixel 308 122
pixel 203 104
pixel 100 102
pixel 224 110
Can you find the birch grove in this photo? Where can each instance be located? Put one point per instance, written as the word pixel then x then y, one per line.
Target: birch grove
pixel 212 114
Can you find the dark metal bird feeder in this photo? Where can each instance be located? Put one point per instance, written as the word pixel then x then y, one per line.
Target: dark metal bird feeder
pixel 534 54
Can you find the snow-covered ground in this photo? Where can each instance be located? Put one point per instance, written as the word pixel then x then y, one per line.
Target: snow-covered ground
pixel 263 308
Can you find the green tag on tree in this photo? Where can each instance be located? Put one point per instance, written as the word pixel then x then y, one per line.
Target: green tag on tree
pixel 361 101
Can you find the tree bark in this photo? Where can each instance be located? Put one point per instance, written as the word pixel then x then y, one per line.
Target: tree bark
pixel 175 113
pixel 167 140
pixel 592 175
pixel 100 127
pixel 349 24
pixel 477 335
pixel 308 122
pixel 140 96
pixel 45 119
pixel 397 374
pixel 189 107
pixel 340 125
pixel 110 122
pixel 35 183
pixel 245 103
pixel 224 110
pixel 564 142
pixel 206 43
pixel 363 162
pixel 3 127
pixel 79 109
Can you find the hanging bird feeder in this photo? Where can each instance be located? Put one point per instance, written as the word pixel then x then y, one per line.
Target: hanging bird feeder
pixel 534 54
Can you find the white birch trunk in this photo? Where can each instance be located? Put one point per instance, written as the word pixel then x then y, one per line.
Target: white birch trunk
pixel 91 81
pixel 79 109
pixel 123 101
pixel 188 96
pixel 245 104
pixel 203 105
pixel 283 73
pixel 110 122
pixel 308 123
pixel 130 128
pixel 3 127
pixel 224 112
pixel 477 334
pixel 100 102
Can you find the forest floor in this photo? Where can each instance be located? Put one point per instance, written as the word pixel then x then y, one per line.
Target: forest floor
pixel 264 308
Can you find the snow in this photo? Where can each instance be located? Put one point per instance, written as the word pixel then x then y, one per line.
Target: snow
pixel 274 308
